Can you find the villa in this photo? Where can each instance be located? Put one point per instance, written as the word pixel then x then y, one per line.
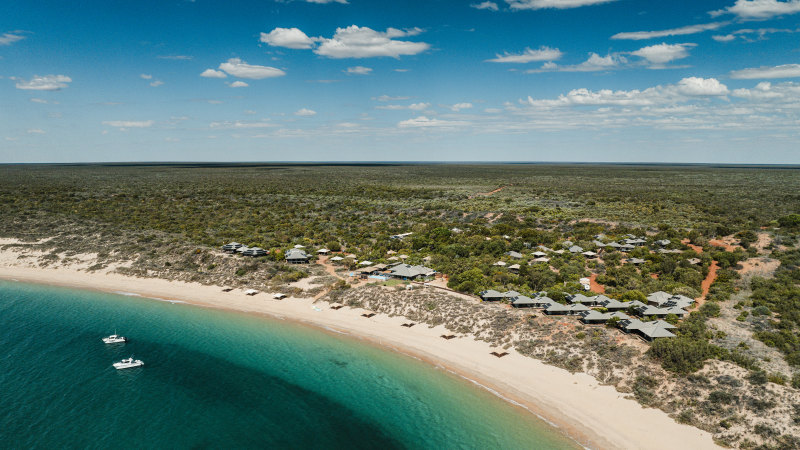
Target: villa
pixel 297 256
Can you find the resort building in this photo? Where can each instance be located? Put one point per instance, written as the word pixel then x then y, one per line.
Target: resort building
pixel 297 256
pixel 409 272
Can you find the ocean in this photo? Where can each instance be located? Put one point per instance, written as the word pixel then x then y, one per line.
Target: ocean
pixel 218 379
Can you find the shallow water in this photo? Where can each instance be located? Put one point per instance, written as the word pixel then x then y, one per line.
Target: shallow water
pixel 216 379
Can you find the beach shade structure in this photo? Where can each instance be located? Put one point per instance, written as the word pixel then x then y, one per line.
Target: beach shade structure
pixel 365 263
pixel 539 254
pixel 250 292
pixel 323 251
pixel 279 296
pixel 336 306
pixel 227 289
pixel 337 259
pixel 299 246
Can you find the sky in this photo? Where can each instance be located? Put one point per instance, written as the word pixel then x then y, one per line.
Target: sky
pixel 697 81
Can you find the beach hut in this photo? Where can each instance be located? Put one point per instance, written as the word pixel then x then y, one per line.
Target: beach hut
pixel 250 292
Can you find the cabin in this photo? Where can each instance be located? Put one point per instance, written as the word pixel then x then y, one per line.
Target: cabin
pixel 589 254
pixel 571 310
pixel 515 255
pixel 582 299
pixel 543 301
pixel 514 268
pixel 613 304
pixel 594 317
pixel 539 254
pixel 576 249
pixel 658 298
pixel 635 261
pixel 231 247
pixel 654 330
pixel 296 256
pixel 254 252
pixel 522 301
pixel 541 259
pixel 409 272
pixel 491 296
pixel 648 311
pixel 323 251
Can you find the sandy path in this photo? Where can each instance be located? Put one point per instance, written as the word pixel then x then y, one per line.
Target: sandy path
pixel 598 416
pixel 696 248
pixel 706 284
pixel 487 194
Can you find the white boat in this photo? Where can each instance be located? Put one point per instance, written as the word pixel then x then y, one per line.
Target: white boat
pixel 115 339
pixel 128 363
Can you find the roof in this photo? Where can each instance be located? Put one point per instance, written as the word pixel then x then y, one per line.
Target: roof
pixel 598 243
pixel 612 303
pixel 514 266
pixel 654 330
pixel 630 324
pixel 514 254
pixel 409 271
pixel 522 300
pixel 658 297
pixel 539 254
pixel 296 253
pixel 620 315
pixel 557 307
pixel 580 298
pixel 337 258
pixel 491 293
pixel 543 259
pixel 499 263
pixel 651 311
pixel 595 315
pixel 511 294
pixel 575 249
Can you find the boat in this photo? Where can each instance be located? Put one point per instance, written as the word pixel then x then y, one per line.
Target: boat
pixel 115 339
pixel 128 363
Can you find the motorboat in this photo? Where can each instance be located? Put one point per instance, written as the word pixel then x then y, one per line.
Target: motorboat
pixel 128 363
pixel 115 339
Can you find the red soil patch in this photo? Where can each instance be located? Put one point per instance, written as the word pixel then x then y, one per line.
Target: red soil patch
pixel 654 276
pixel 696 248
pixel 595 286
pixel 706 285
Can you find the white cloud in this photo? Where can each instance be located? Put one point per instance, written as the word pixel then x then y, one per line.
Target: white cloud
pixel 305 112
pixel 690 29
pixel 145 76
pixel 36 131
pixel 358 70
pixel 156 83
pixel 176 57
pixel 287 37
pixel 766 92
pixel 685 89
pixel 491 6
pixel 694 86
pixel 723 38
pixel 39 100
pixel 242 124
pixel 760 9
pixel 782 71
pixel 43 83
pixel 424 122
pixel 594 63
pixel 419 106
pixel 529 55
pixel 554 4
pixel 459 106
pixel 238 84
pixel 238 68
pixel 388 98
pixel 663 53
pixel 211 73
pixel 10 38
pixel 364 42
pixel 745 34
pixel 129 123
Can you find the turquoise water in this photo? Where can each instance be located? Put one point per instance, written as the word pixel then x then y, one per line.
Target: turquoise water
pixel 215 379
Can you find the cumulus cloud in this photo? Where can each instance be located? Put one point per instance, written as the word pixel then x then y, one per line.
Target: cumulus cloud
pixel 424 122
pixel 529 55
pixel 358 70
pixel 594 63
pixel 305 112
pixel 145 76
pixel 129 123
pixel 759 9
pixel 782 71
pixel 723 38
pixel 419 106
pixel 690 29
pixel 364 42
pixel 238 84
pixel 769 93
pixel 686 88
pixel 288 38
pixel 242 124
pixel 554 4
pixel 694 86
pixel 491 6
pixel 240 69
pixel 156 83
pixel 10 38
pixel 176 57
pixel 663 53
pixel 43 83
pixel 36 131
pixel 211 73
pixel 459 106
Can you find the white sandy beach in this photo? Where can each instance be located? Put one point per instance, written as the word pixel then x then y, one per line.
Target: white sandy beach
pixel 597 416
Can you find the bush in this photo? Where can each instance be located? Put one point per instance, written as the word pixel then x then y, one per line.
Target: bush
pixel 757 377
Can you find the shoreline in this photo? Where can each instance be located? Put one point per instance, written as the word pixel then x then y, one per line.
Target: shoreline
pixel 594 415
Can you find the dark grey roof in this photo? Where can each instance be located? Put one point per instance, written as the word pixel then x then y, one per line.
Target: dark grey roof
pixel 409 271
pixel 296 253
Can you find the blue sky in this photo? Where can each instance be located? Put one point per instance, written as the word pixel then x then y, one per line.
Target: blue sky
pixel 353 80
